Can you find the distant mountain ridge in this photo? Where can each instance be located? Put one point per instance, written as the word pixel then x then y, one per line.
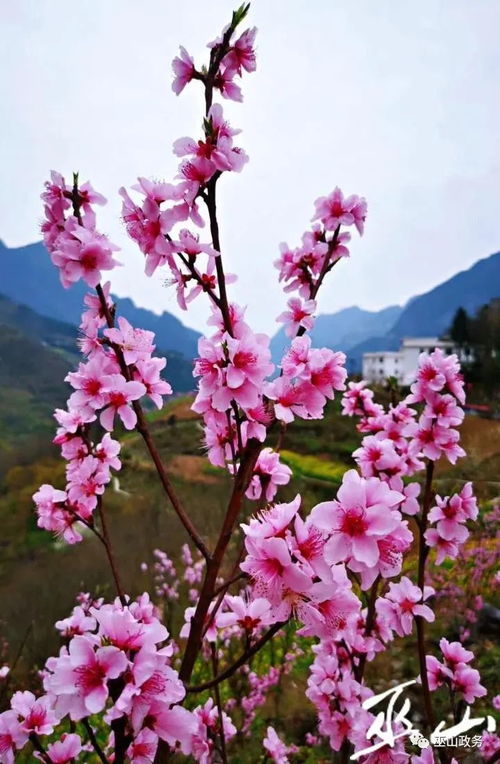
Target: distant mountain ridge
pixel 49 331
pixel 356 331
pixel 430 314
pixel 28 277
pixel 36 353
pixel 344 328
pixel 60 337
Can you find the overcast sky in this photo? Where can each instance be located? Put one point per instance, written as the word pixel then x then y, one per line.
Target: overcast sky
pixel 397 100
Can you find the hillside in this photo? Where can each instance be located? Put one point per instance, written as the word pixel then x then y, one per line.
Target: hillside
pixel 432 313
pixel 36 353
pixel 140 518
pixel 49 331
pixel 31 386
pixel 62 337
pixel 27 276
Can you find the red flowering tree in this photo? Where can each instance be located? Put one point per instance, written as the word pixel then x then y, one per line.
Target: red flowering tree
pixel 121 688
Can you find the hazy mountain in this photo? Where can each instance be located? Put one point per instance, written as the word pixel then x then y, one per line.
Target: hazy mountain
pixel 36 353
pixel 49 331
pixel 356 331
pixel 31 386
pixel 430 314
pixel 343 329
pixel 58 336
pixel 28 277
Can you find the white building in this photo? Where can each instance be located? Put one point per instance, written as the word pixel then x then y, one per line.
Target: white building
pixel 377 367
pixel 402 364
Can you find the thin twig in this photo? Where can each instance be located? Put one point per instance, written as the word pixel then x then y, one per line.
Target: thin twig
pixel 35 741
pixel 97 748
pixel 220 593
pixel 143 429
pixel 109 551
pixel 422 556
pixel 215 670
pixel 223 587
pixel 241 660
pixel 359 670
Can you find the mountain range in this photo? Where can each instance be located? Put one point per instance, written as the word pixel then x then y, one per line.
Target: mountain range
pixel 356 331
pixel 38 346
pixel 342 330
pixel 40 308
pixel 28 277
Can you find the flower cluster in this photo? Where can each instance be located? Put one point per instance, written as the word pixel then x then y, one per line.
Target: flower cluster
pixel 364 528
pixel 269 473
pixel 455 671
pixel 448 520
pixel 300 315
pixel 113 663
pixel 440 388
pixel 337 696
pixel 309 378
pixel 208 729
pixel 385 452
pixel 150 224
pixel 276 749
pixel 165 577
pixel 232 369
pixel 358 401
pixel 260 685
pixel 118 371
pixel 235 397
pixel 238 55
pixel 304 268
pixel 287 564
pixel 74 244
pixel 400 439
pixel 396 611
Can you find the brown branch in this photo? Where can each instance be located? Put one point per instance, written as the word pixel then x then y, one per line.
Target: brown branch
pixel 210 197
pixel 35 742
pixel 211 202
pixel 195 275
pixel 281 437
pixel 93 740
pixel 243 477
pixel 325 268
pixel 215 669
pixel 422 557
pixel 220 593
pixel 369 626
pixel 240 662
pixel 143 430
pixel 122 739
pixel 327 265
pixel 223 587
pixel 105 539
pixel 217 54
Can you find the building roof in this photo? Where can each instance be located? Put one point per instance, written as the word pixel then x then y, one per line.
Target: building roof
pixel 385 353
pixel 425 342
